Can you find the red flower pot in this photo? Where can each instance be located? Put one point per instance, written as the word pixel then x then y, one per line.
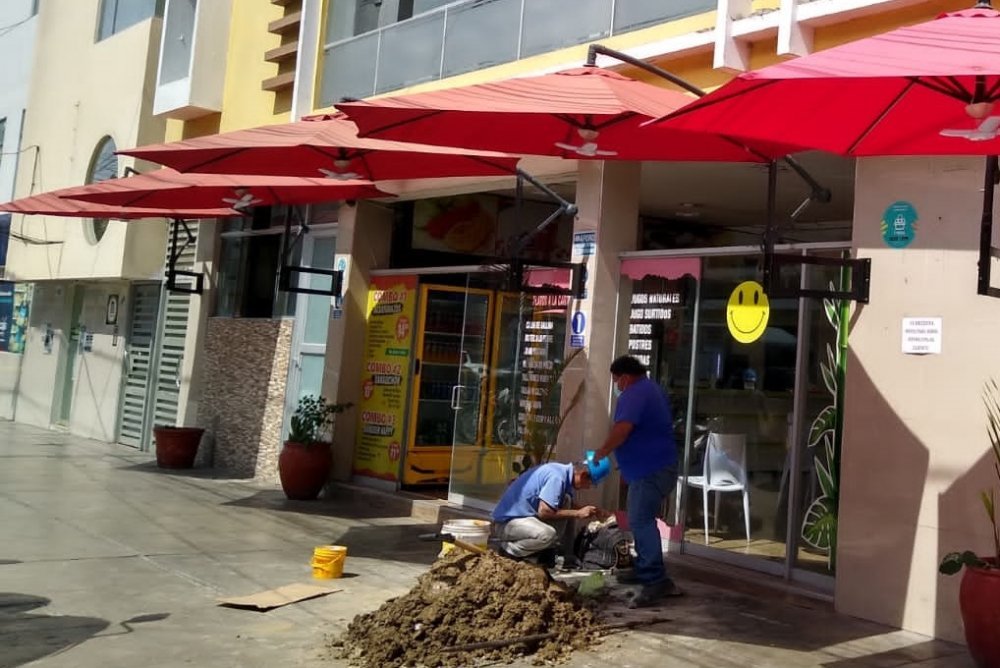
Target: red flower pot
pixel 979 599
pixel 176 447
pixel 304 469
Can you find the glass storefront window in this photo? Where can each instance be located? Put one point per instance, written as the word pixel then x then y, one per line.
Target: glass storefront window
pixel 761 408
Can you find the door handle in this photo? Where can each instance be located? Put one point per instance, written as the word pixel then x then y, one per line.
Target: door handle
pixel 456 397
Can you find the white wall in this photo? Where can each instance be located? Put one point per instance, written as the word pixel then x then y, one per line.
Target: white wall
pixel 915 446
pixel 81 91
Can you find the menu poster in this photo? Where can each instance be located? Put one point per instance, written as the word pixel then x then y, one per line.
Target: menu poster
pixel 541 352
pixel 655 306
pixel 392 303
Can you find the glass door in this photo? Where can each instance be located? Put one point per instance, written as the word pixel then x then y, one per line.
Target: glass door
pixel 452 336
pixel 468 399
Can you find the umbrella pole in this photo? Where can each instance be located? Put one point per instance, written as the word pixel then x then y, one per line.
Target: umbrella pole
pixel 986 226
pixel 770 229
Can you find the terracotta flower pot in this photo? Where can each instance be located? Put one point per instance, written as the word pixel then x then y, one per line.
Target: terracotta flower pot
pixel 304 469
pixel 979 599
pixel 176 447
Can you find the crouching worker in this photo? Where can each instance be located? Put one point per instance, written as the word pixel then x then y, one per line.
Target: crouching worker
pixel 533 514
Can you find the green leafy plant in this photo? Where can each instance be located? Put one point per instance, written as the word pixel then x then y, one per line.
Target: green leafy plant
pixel 954 561
pixel 819 524
pixel 313 420
pixel 540 437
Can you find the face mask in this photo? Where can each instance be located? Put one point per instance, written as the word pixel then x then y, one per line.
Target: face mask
pixel 617 391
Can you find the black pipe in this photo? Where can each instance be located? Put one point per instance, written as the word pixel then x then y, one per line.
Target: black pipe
pixel 818 192
pixel 986 226
pixel 595 49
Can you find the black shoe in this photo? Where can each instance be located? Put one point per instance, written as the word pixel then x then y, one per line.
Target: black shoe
pixel 652 593
pixel 545 558
pixel 627 577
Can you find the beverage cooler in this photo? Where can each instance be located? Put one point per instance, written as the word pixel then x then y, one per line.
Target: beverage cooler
pixel 450 380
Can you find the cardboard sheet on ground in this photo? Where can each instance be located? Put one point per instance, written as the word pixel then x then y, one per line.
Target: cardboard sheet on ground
pixel 275 598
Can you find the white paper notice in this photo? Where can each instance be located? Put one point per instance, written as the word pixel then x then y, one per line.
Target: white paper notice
pixel 922 336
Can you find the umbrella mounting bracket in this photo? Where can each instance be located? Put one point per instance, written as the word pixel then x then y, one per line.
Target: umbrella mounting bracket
pixel 176 250
pixel 287 270
pixel 860 277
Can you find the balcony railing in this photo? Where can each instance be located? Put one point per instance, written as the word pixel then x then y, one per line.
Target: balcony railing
pixel 475 34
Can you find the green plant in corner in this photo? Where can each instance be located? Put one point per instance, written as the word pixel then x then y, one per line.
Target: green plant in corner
pixel 953 562
pixel 313 420
pixel 819 524
pixel 540 436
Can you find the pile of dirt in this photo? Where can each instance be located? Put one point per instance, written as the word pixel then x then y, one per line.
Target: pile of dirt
pixel 467 599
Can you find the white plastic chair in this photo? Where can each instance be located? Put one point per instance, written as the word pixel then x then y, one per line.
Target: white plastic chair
pixel 725 471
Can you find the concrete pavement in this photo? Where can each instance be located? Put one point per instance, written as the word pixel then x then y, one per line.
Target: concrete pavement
pixel 107 561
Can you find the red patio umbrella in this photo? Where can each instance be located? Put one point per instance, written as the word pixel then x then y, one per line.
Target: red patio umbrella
pixel 54 204
pixel 926 89
pixel 166 187
pixel 328 147
pixel 584 113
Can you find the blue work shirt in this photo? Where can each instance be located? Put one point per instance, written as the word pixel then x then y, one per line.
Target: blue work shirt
pixel 547 482
pixel 650 446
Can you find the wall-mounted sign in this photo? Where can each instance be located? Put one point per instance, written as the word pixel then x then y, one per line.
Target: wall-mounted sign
pixel 584 244
pixel 747 312
pixel 921 336
pixel 111 314
pixel 898 224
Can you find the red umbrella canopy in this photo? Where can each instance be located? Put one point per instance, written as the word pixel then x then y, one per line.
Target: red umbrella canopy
pixel 53 204
pixel 927 89
pixel 329 147
pixel 580 113
pixel 166 188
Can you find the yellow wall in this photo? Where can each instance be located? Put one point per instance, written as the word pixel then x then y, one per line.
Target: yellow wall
pixel 244 103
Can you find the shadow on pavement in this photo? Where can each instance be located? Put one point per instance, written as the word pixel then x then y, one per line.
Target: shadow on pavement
pixel 340 504
pixel 202 473
pixel 27 637
pixel 392 543
pixel 717 607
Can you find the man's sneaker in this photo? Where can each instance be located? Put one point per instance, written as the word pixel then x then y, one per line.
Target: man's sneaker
pixel 627 577
pixel 652 593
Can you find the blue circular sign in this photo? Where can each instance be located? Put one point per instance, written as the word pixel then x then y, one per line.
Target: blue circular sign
pixel 898 224
pixel 578 323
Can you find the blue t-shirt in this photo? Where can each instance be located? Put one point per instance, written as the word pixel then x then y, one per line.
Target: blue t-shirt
pixel 650 446
pixel 547 482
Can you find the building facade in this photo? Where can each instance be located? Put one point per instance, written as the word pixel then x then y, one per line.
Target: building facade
pixel 446 391
pixel 88 362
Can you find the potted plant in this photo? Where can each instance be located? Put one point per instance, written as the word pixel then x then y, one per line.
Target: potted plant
pixel 979 593
pixel 305 459
pixel 176 447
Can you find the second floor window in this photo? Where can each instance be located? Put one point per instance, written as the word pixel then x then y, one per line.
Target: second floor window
pixel 116 15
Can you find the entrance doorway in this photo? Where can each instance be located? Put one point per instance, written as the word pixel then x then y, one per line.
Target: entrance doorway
pixel 73 343
pixel 312 317
pixel 484 384
pixel 134 429
pixel 748 407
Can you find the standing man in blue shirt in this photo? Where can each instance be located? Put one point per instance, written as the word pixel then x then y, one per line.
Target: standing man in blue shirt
pixel 531 515
pixel 642 439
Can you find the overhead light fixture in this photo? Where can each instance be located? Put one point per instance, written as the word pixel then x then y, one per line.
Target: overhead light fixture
pixel 339 171
pixel 988 127
pixel 688 210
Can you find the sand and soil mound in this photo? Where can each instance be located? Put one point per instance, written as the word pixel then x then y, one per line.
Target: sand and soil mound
pixel 466 599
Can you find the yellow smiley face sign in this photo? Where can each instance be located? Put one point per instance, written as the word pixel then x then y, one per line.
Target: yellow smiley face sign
pixel 747 312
